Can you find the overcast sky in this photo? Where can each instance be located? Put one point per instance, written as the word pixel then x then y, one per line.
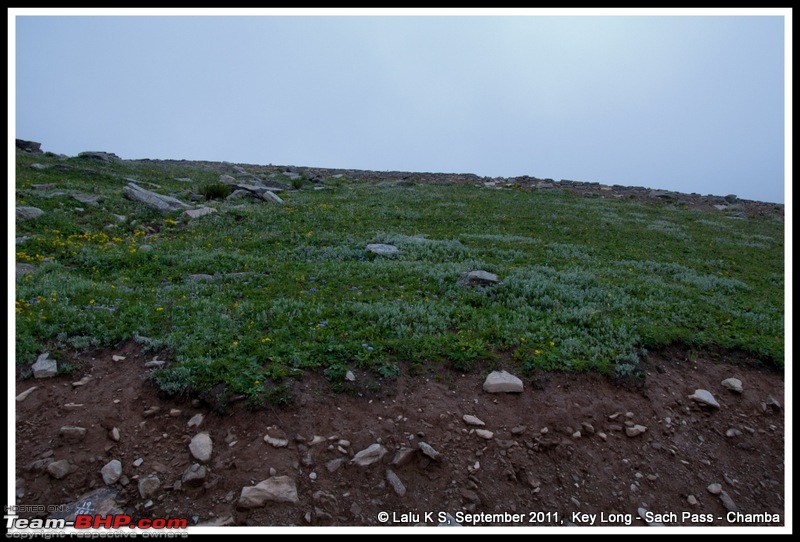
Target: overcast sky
pixel 689 103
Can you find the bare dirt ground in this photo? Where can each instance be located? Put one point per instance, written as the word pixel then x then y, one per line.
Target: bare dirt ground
pixel 558 450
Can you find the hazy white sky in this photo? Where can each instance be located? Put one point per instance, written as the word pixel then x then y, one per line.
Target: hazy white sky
pixel 689 102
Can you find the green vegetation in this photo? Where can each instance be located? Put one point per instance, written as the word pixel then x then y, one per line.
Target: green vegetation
pixel 587 283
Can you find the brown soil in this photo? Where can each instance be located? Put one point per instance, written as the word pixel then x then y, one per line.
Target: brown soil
pixel 535 464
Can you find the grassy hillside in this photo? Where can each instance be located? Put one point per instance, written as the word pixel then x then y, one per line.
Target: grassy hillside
pixel 587 283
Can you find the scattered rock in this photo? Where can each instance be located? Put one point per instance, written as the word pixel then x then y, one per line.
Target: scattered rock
pixel 472 420
pixel 502 381
pixel 733 384
pixel 59 469
pixel 395 482
pixel 715 488
pixel 148 486
pixel 155 364
pixel 428 450
pixel 727 502
pixel 691 499
pixel 197 213
pixel 111 471
pixel 194 475
pixel 273 489
pixel 82 382
pixel 349 376
pixel 636 430
pixel 88 199
pixel 165 204
pixel 114 434
pixel 22 396
pixel 733 432
pixel 369 455
pixel 402 457
pixel 28 213
pixel 704 397
pixel 201 447
pixel 589 428
pixel 484 434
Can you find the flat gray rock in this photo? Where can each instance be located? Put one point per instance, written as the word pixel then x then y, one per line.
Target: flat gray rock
pixel 502 382
pixel 28 213
pixel 197 213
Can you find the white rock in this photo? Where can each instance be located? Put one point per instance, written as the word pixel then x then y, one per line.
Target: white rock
pixel 472 420
pixel 733 384
pixel 502 381
pixel 704 397
pixel 484 434
pixel 349 376
pixel 117 358
pixel 201 447
pixel 114 434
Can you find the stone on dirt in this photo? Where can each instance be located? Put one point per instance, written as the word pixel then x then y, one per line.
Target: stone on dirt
pixel 201 447
pixel 274 489
pixel 369 455
pixel 704 397
pixel 502 382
